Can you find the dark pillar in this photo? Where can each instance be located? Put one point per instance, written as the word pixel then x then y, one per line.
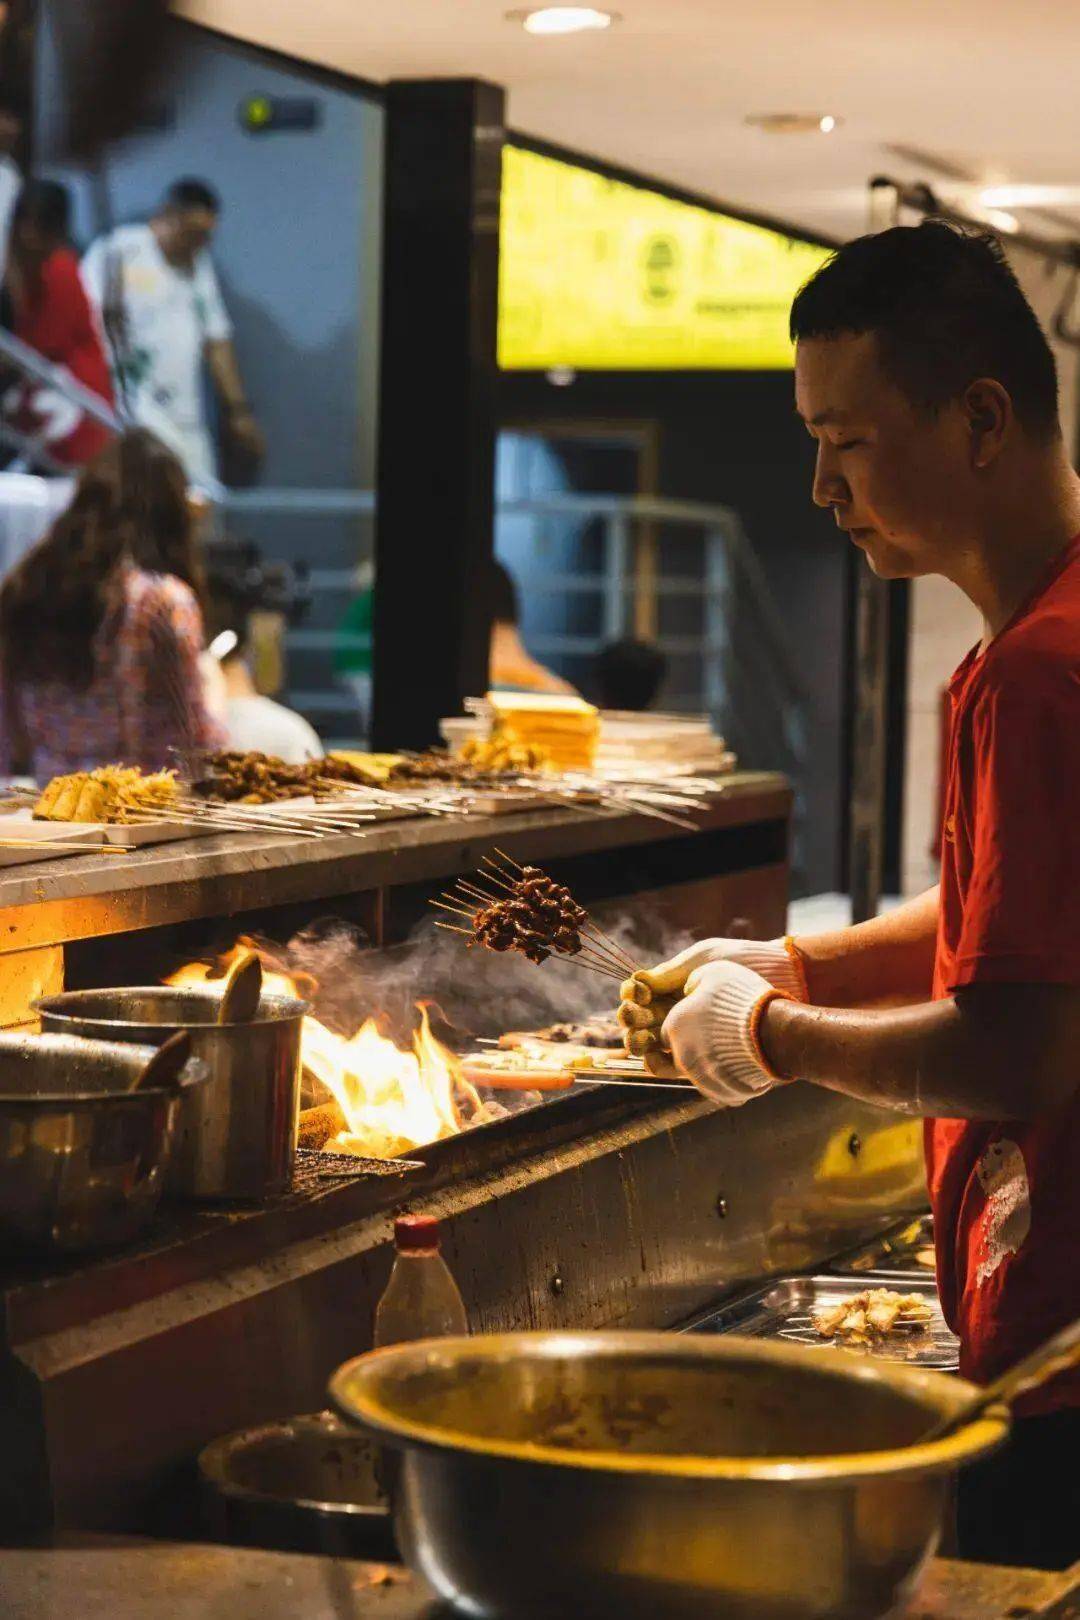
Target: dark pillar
pixel 869 735
pixel 436 463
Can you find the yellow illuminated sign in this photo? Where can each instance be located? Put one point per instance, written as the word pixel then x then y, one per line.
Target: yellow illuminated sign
pixel 603 276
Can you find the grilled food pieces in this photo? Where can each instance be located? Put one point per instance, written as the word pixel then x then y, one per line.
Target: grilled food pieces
pixel 114 793
pixel 872 1314
pixel 600 1029
pixel 538 917
pixel 503 752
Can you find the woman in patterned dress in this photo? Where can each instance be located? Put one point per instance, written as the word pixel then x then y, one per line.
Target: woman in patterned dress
pixel 101 628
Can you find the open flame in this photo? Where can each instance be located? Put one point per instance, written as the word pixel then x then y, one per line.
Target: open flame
pixel 392 1100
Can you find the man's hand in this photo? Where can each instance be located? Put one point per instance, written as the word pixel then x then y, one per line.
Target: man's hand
pixel 709 1033
pixel 245 431
pixel 651 993
pixel 712 1032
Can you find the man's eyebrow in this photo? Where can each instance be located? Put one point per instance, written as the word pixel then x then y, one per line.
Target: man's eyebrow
pixel 823 418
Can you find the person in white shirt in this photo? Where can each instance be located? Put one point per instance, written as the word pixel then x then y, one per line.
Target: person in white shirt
pixel 253 722
pixel 160 305
pixel 11 179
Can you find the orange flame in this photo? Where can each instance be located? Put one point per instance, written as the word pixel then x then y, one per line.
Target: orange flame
pixel 392 1100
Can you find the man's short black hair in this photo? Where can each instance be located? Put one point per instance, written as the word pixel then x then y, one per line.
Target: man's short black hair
pixel 46 204
pixel 945 308
pixel 629 674
pixel 192 193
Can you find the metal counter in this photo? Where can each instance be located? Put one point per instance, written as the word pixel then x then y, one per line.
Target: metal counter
pixel 102 1580
pixel 54 902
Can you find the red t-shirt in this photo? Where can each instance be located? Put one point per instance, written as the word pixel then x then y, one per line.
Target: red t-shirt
pixel 56 320
pixel 1006 1193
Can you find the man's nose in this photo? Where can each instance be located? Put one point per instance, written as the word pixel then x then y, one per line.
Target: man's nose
pixel 830 486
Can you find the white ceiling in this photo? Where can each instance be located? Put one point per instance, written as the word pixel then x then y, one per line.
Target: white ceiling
pixel 988 86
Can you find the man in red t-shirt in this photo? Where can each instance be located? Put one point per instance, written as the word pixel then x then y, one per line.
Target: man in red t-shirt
pixel 924 378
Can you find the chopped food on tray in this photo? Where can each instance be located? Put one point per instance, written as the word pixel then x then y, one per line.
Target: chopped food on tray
pixel 114 793
pixel 601 1029
pixel 503 750
pixel 872 1314
pixel 253 778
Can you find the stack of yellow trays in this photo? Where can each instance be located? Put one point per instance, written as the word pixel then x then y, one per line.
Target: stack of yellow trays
pixel 566 728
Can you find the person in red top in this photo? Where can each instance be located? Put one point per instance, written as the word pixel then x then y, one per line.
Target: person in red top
pixel 924 378
pixel 47 308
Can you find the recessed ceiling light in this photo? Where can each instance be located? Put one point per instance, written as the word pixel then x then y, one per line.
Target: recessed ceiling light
pixel 794 123
pixel 1001 220
pixel 562 19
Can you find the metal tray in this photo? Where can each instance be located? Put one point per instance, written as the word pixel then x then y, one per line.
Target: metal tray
pixel 783 1311
pixel 895 1254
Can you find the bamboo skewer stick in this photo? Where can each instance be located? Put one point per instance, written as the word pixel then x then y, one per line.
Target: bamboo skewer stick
pixel 49 846
pixel 611 949
pixel 594 948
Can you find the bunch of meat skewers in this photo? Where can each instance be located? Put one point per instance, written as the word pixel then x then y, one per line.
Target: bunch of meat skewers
pixel 530 912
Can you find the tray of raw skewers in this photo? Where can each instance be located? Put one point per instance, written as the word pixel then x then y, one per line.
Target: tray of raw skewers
pixel 123 807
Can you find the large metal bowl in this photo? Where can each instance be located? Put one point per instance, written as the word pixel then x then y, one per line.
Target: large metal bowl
pixel 306 1485
pixel 83 1158
pixel 237 1136
pixel 651 1475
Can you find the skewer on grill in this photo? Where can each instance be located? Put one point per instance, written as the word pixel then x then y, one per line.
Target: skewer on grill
pixel 512 907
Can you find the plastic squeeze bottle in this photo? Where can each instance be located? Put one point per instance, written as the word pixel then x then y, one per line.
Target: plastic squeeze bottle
pixel 421 1299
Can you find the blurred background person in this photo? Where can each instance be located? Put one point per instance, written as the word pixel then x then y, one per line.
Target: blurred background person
pixel 629 674
pixel 156 291
pixel 44 303
pixel 252 720
pixel 101 627
pixel 11 128
pixel 511 664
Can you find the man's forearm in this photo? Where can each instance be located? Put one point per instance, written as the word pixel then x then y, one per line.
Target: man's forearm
pixel 886 961
pixel 1003 1053
pixel 225 372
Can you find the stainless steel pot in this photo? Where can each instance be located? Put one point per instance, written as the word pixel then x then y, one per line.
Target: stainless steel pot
pixel 651 1474
pixel 306 1485
pixel 238 1134
pixel 83 1158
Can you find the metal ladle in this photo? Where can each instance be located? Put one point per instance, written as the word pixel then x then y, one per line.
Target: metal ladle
pixel 243 990
pixel 165 1067
pixel 1057 1355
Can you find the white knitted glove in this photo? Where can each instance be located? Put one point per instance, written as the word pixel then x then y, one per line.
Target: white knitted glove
pixel 712 1033
pixel 649 996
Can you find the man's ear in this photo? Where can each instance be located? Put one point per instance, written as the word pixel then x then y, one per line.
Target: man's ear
pixel 990 414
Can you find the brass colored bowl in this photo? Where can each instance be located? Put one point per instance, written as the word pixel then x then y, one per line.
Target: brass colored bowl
pixel 659 1476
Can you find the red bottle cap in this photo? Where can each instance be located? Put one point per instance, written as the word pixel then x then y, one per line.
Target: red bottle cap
pixel 414 1233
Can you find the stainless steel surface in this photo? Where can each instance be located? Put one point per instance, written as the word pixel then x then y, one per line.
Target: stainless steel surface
pixel 83 1157
pixel 112 1578
pixel 306 1485
pixel 641 1475
pixel 618 1211
pixel 237 1134
pixel 784 1310
pixel 895 1254
pixel 1059 1354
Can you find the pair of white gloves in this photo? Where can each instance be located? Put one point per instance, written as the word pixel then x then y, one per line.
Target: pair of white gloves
pixel 698 1014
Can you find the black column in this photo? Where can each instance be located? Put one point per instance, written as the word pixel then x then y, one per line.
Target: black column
pixel 436 462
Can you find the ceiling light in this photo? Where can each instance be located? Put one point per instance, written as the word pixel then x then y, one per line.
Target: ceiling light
pixel 1020 196
pixel 562 19
pixel 794 123
pixel 1001 220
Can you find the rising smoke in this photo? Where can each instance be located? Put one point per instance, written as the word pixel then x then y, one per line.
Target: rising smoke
pixel 474 992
